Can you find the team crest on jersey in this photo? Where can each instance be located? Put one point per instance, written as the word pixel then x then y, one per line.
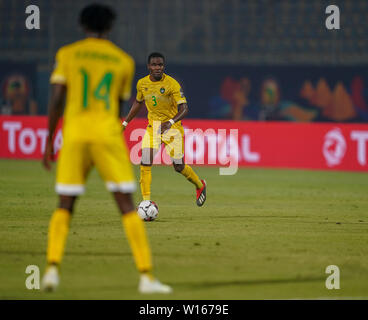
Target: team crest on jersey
pixel 162 90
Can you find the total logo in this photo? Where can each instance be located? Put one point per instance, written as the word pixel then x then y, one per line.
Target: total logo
pixel 28 141
pixel 335 146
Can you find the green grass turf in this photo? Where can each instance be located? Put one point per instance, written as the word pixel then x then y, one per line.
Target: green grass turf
pixel 262 234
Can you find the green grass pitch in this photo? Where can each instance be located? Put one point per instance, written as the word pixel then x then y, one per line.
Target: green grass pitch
pixel 262 234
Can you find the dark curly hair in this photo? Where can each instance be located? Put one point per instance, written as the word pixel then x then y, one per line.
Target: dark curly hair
pixel 155 55
pixel 97 18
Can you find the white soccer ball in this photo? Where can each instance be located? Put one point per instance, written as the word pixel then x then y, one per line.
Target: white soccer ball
pixel 147 210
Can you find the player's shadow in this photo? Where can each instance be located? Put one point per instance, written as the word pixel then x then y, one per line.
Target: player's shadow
pixel 250 282
pixel 70 253
pixel 258 217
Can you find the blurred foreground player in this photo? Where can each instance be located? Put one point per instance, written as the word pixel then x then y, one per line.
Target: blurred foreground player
pixel 167 106
pixel 93 74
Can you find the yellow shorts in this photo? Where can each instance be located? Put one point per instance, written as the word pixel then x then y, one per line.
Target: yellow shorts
pixel 173 140
pixel 111 159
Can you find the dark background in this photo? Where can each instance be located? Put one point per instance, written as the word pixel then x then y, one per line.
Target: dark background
pixel 206 42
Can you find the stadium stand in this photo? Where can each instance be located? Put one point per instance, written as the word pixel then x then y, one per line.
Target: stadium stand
pixel 190 32
pixel 210 31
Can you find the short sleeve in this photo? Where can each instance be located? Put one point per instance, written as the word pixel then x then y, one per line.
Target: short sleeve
pixel 59 75
pixel 126 89
pixel 178 93
pixel 139 96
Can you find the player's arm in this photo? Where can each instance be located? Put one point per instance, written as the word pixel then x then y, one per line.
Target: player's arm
pixel 136 107
pixel 182 112
pixel 134 110
pixel 58 92
pixel 126 93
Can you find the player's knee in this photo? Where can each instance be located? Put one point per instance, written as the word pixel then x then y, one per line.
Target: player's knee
pixel 179 167
pixel 147 157
pixel 126 209
pixel 67 203
pixel 124 201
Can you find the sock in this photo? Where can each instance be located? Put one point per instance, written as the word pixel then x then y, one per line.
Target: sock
pixel 136 234
pixel 58 232
pixel 191 176
pixel 145 182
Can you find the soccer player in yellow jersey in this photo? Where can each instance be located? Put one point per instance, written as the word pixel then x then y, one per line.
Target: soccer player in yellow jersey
pixel 93 74
pixel 167 106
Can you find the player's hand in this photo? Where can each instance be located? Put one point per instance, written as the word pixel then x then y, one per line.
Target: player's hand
pixel 124 125
pixel 164 127
pixel 48 156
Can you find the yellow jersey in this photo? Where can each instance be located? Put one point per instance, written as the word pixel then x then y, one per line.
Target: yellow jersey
pixel 161 97
pixel 96 73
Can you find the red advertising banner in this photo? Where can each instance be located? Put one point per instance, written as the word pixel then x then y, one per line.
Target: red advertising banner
pixel 221 143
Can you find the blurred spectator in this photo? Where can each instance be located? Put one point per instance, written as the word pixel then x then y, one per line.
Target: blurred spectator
pixel 360 96
pixel 357 92
pixel 17 98
pixel 236 93
pixel 270 98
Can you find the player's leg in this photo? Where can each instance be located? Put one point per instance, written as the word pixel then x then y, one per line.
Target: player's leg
pixel 72 168
pixel 175 148
pixel 188 172
pixel 58 229
pixel 136 234
pixel 146 172
pixel 135 231
pixel 114 166
pixel 57 235
pixel 191 176
pixel 150 146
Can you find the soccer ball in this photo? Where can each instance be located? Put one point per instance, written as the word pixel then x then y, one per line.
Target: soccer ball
pixel 148 210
